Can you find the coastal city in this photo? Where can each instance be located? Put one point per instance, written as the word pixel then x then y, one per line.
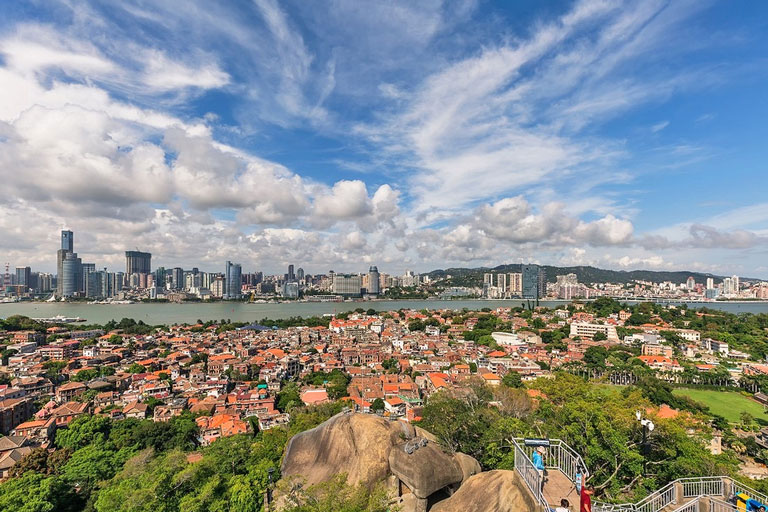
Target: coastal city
pixel 383 256
pixel 231 379
pixel 78 280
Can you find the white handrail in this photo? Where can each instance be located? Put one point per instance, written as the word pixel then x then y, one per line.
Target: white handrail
pixel 712 487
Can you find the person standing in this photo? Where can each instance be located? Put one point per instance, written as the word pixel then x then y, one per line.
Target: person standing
pixel 538 463
pixel 586 499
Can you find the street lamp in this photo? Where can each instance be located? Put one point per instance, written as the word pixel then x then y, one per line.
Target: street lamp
pixel 648 427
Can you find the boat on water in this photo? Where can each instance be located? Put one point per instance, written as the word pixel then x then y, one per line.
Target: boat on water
pixel 59 319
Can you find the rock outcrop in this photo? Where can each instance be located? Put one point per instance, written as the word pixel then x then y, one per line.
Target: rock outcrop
pixel 497 490
pixel 372 450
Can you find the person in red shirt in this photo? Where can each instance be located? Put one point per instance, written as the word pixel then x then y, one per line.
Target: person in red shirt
pixel 586 499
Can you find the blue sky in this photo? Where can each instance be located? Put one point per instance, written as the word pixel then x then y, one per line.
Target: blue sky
pixel 411 135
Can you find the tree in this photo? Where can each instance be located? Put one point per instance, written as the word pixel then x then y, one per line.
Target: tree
pixel 34 492
pixel 288 397
pixel 136 368
pixel 82 431
pixel 512 379
pixel 599 336
pixel 595 356
pixel 377 405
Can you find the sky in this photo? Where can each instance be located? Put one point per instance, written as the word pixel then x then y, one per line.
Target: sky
pixel 340 134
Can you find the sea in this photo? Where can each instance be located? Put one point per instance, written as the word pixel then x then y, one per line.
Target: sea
pixel 171 313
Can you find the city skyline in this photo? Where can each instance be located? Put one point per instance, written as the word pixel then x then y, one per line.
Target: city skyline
pixel 415 136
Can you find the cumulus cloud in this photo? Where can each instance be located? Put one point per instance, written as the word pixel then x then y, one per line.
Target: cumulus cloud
pixel 513 219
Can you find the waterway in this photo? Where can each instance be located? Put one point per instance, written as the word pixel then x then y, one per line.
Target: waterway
pixel 167 313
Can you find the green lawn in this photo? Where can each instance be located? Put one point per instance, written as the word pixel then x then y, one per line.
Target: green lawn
pixel 728 404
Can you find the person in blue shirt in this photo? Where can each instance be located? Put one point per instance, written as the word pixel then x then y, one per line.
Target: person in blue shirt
pixel 752 505
pixel 538 463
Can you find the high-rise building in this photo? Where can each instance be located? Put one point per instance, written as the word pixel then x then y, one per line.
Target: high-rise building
pixel 67 241
pixel 347 285
pixel 291 290
pixel 290 276
pixel 177 278
pixel 533 282
pixel 501 282
pixel 373 280
pixel 67 247
pixel 300 274
pixel 137 262
pixel 86 269
pixel 710 283
pixel 24 277
pixel 71 277
pixel 516 284
pixel 690 283
pixel 44 282
pixel 233 281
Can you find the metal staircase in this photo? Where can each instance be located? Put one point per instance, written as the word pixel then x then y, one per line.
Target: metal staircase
pixel 563 465
pixel 697 494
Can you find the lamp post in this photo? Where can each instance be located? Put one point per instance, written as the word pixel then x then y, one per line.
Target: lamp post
pixel 648 427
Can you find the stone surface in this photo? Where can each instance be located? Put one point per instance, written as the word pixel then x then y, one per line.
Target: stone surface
pixel 355 444
pixel 371 450
pixel 425 471
pixel 498 490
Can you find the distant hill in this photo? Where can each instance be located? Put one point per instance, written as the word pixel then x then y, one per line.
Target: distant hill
pixel 585 274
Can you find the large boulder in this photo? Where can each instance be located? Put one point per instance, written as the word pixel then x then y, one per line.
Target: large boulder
pixel 424 469
pixel 372 450
pixel 498 490
pixel 355 444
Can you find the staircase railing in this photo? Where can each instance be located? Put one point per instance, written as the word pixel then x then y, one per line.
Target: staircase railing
pixel 711 487
pixel 530 475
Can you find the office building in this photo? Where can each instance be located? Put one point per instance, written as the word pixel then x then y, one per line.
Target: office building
pixel 373 281
pixel 177 278
pixel 233 281
pixel 300 274
pixel 24 277
pixel 290 276
pixel 137 262
pixel 71 277
pixel 533 282
pixel 68 241
pixel 347 285
pixel 67 247
pixel 291 290
pixel 86 268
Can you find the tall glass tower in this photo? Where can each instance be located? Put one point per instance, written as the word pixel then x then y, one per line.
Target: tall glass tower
pixel 233 281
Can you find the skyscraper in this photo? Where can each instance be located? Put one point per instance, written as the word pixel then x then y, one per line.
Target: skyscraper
pixel 177 278
pixel 137 262
pixel 68 241
pixel 71 277
pixel 69 280
pixel 300 274
pixel 291 276
pixel 533 282
pixel 373 281
pixel 24 277
pixel 233 281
